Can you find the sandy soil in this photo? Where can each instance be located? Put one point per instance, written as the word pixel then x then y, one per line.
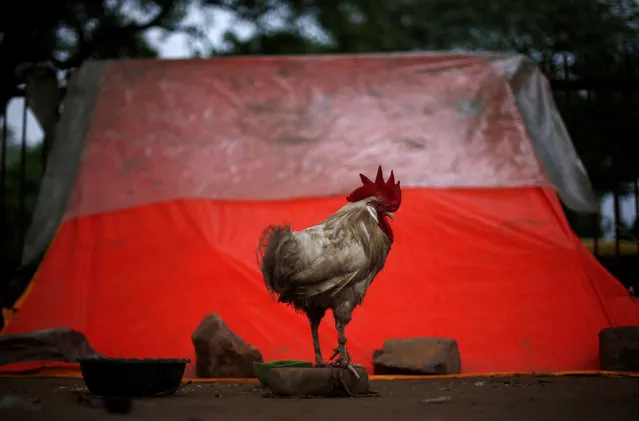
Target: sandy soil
pixel 505 398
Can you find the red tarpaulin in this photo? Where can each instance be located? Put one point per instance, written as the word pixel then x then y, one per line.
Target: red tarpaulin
pixel 181 164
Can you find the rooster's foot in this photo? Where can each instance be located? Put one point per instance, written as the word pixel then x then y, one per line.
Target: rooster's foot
pixel 320 364
pixel 344 361
pixel 350 368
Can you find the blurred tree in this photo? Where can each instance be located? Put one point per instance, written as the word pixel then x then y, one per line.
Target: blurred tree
pixel 68 32
pixel 597 28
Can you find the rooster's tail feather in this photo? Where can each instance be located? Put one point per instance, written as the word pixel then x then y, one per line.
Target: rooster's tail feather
pixel 277 256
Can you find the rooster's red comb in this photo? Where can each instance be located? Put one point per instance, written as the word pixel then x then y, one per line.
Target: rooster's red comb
pixel 387 191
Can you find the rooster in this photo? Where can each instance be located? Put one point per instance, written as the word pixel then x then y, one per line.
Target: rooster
pixel 331 265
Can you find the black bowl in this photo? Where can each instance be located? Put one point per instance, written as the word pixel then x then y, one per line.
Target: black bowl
pixel 132 377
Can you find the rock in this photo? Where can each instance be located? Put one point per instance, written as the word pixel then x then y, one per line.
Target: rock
pixel 418 356
pixel 220 353
pixel 57 344
pixel 619 348
pixel 316 381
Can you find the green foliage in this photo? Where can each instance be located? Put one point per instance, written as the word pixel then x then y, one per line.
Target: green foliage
pixel 280 42
pixel 106 29
pixel 592 27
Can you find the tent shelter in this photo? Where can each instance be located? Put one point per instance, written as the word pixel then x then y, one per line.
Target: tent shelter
pixel 165 172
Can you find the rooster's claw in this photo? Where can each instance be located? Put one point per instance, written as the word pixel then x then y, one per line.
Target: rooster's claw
pixel 345 363
pixel 353 371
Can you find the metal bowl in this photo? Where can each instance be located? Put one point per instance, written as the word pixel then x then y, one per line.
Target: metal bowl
pixel 132 377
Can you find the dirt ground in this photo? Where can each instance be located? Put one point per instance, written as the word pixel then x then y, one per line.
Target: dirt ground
pixel 499 398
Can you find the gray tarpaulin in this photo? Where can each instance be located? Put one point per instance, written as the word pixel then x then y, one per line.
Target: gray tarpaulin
pixel 553 145
pixel 63 161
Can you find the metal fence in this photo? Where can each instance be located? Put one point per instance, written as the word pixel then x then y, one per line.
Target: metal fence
pixel 618 251
pixel 597 93
pixel 21 168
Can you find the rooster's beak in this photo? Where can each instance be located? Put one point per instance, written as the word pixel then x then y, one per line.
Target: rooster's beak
pixel 390 215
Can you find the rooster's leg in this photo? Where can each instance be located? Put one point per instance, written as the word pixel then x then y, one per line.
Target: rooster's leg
pixel 342 316
pixel 315 317
pixel 344 359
